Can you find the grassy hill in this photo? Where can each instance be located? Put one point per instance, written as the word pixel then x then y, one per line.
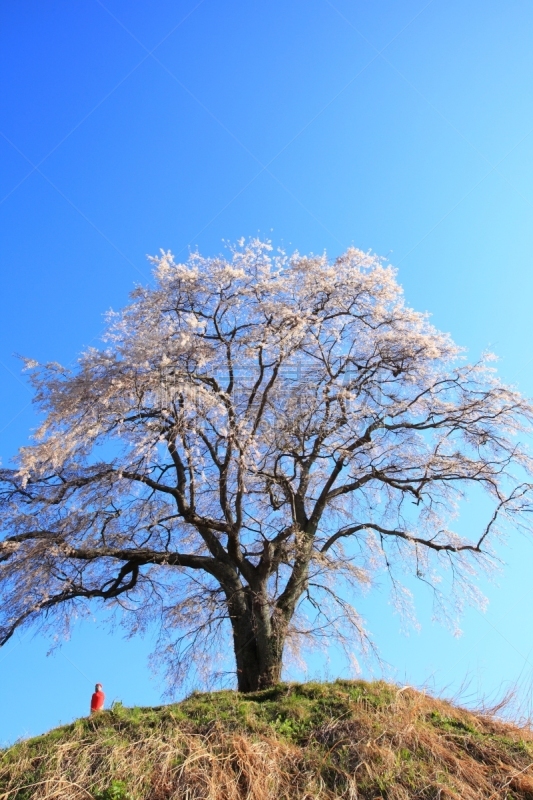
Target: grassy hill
pixel 295 742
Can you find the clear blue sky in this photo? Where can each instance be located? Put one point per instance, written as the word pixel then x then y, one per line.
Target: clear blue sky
pixel 405 127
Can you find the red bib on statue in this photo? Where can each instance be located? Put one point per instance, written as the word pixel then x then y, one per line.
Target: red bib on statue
pixel 97 701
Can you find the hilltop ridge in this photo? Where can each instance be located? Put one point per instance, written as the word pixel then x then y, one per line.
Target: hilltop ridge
pixel 315 741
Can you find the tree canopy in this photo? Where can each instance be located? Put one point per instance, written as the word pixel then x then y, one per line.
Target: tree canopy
pixel 260 436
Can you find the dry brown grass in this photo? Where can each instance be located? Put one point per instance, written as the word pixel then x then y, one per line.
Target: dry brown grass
pixel 296 742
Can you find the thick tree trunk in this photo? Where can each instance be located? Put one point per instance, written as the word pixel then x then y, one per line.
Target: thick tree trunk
pixel 258 663
pixel 258 649
pixel 259 631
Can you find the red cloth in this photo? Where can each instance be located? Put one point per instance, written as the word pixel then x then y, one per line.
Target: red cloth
pixel 97 701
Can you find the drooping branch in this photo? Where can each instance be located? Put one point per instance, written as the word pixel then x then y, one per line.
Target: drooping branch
pixel 432 542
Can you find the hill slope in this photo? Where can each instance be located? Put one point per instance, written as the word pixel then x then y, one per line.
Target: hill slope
pixel 295 742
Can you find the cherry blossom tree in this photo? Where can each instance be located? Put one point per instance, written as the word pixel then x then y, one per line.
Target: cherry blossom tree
pixel 261 435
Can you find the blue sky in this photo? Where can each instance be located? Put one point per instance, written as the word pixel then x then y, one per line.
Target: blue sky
pixel 404 127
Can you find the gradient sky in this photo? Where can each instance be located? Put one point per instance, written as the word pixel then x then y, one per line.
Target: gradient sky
pixel 402 126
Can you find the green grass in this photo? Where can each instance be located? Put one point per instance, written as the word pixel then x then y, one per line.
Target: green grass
pixel 296 741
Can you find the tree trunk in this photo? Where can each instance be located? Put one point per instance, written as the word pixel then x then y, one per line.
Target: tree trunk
pixel 258 649
pixel 257 669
